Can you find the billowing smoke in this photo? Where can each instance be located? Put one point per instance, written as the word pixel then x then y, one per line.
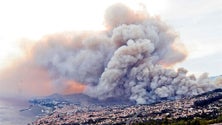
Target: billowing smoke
pixel 130 60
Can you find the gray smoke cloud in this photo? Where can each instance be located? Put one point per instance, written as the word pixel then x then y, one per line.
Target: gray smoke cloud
pixel 128 60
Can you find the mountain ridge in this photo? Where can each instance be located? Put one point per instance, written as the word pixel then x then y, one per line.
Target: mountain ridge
pixel 186 109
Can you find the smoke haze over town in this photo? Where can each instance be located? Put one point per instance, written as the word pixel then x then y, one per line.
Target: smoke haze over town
pixel 131 58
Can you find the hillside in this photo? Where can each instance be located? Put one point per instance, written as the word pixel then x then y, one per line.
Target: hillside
pixel 206 106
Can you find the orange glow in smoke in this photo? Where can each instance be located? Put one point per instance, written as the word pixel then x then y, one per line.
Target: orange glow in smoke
pixel 25 79
pixel 73 87
pixel 178 48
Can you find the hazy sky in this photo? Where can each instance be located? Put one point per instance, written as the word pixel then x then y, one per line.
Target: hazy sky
pixel 198 23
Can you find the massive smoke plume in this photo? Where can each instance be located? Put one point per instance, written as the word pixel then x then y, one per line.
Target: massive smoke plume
pixel 129 60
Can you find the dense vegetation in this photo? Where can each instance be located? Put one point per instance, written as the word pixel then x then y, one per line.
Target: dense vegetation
pixel 207 101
